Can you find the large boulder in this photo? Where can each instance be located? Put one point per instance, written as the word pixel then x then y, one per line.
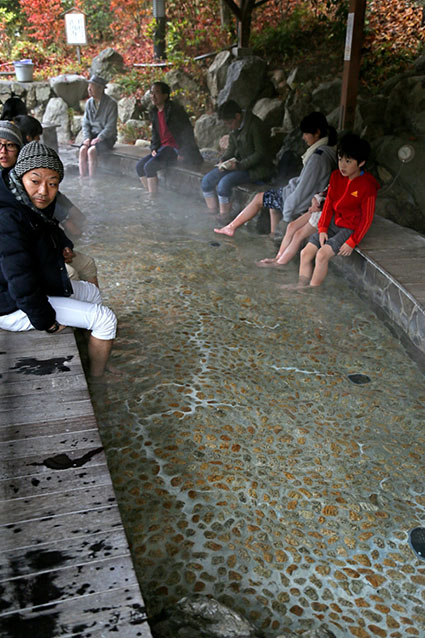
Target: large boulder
pixel 369 121
pixel 327 96
pixel 298 104
pixel 114 90
pixel 107 64
pixel 246 82
pixel 217 73
pixel 178 80
pixel 43 93
pixel 57 113
pixel 203 617
pixel 270 110
pixel 70 87
pixel 208 131
pixel 404 183
pixel 76 125
pixel 406 105
pixel 183 86
pixel 132 131
pixel 128 109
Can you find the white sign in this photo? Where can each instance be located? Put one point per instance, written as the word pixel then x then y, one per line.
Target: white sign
pixel 75 26
pixel 349 37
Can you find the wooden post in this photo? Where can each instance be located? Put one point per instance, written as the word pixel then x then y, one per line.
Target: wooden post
pixel 352 55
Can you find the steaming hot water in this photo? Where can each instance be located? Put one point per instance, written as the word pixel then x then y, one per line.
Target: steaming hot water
pixel 248 466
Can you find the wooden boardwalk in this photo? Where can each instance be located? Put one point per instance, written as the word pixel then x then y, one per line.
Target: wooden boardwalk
pixel 65 566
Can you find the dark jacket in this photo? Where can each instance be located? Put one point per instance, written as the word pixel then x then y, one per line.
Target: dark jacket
pixel 251 146
pixel 181 129
pixel 31 260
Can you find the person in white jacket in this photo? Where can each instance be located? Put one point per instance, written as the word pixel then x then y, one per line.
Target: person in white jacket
pixel 294 199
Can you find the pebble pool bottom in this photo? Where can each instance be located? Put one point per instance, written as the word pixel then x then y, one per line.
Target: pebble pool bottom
pixel 266 445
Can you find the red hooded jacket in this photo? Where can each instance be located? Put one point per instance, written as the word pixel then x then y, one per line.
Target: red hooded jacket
pixel 351 203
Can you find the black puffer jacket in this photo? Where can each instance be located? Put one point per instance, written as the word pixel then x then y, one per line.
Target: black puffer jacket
pixel 31 260
pixel 180 128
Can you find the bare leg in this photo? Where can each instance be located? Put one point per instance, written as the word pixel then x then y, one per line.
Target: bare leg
pixel 82 161
pixel 212 204
pixel 296 231
pixel 152 183
pixel 245 215
pixel 275 217
pixel 144 181
pixel 323 258
pixel 225 208
pixel 306 264
pixel 294 246
pixel 99 351
pixel 92 155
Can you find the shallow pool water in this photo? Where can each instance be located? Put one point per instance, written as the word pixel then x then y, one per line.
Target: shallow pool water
pixel 247 465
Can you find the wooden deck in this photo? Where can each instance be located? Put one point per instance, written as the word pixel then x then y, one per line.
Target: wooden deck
pixel 65 567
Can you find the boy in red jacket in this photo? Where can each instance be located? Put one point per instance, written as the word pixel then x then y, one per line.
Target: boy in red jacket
pixel 347 213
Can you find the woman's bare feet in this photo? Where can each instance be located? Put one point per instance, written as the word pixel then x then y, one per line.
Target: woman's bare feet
pixel 269 262
pixel 226 230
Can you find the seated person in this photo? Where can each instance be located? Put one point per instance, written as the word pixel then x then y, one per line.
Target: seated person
pixel 78 265
pixel 347 213
pixel 35 291
pixel 99 125
pixel 30 128
pixel 293 199
pixel 247 157
pixel 296 232
pixel 13 106
pixel 172 137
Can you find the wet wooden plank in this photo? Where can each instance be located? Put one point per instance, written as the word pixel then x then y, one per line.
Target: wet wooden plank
pixel 51 445
pixel 46 411
pixel 52 482
pixel 42 506
pixel 22 431
pixel 11 468
pixel 84 523
pixel 34 385
pixel 39 558
pixel 95 615
pixel 51 586
pixel 65 565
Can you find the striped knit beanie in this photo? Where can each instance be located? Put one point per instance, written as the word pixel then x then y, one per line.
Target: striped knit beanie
pixel 36 155
pixel 10 132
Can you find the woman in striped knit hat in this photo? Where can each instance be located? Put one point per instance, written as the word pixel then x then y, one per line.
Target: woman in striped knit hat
pixel 35 291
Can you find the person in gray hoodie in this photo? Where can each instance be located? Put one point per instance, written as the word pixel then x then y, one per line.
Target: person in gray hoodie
pixel 294 199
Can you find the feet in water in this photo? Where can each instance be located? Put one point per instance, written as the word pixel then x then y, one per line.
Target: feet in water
pixel 269 263
pixel 226 230
pixel 110 376
pixel 302 284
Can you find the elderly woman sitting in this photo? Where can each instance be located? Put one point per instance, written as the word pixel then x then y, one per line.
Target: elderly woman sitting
pixel 35 291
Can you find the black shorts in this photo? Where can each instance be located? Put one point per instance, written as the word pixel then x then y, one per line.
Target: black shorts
pixel 337 235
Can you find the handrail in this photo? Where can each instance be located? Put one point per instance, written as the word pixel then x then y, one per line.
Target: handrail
pixel 198 57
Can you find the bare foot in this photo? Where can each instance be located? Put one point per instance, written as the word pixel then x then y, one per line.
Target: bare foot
pixel 268 263
pixel 302 283
pixel 114 370
pixel 226 230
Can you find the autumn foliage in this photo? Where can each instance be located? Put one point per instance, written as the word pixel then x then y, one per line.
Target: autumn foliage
pixel 394 30
pixel 43 20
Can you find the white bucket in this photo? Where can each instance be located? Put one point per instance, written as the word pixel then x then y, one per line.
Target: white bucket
pixel 24 71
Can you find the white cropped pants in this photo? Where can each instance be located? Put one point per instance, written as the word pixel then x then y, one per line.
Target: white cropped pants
pixel 83 309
